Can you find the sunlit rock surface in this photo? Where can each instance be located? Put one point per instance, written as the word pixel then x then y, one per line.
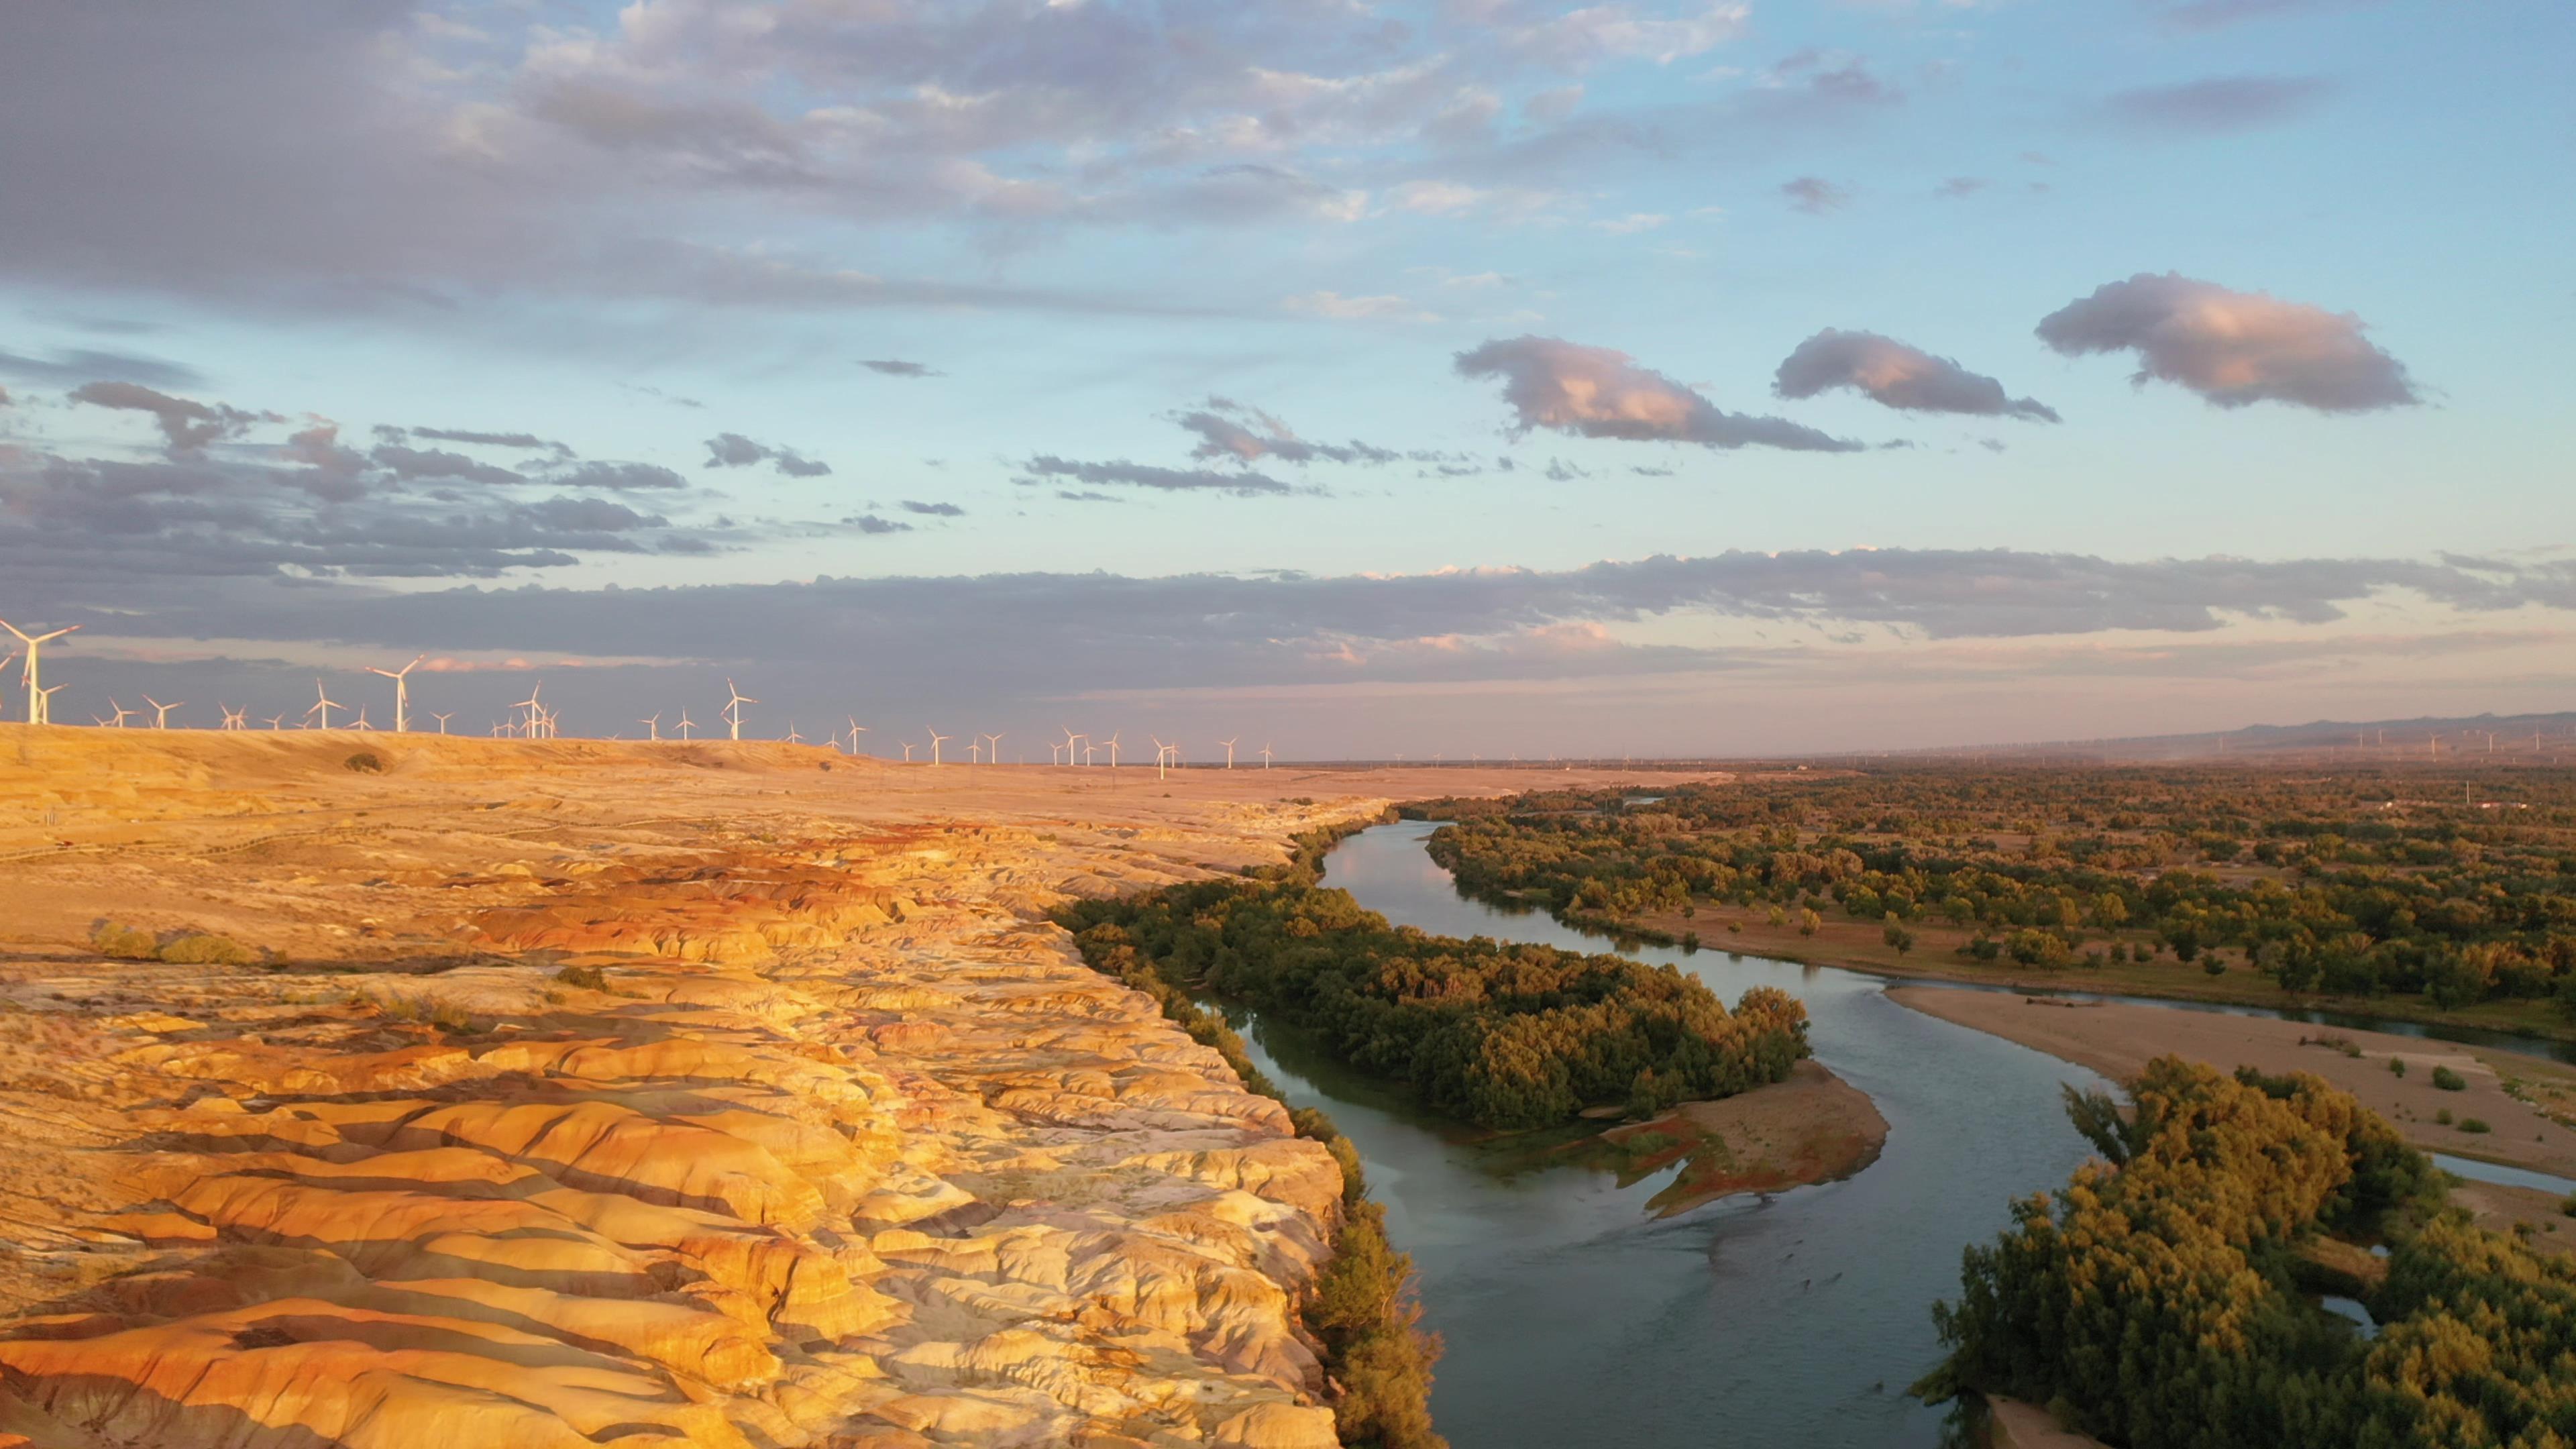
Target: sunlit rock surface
pixel 826 1137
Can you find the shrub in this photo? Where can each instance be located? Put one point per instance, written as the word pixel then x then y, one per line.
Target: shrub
pixel 364 762
pixel 2443 1117
pixel 1809 923
pixel 2567 1205
pixel 125 943
pixel 1897 936
pixel 2475 1124
pixel 2214 966
pixel 208 950
pixel 588 978
pixel 2449 1081
pixel 2396 1066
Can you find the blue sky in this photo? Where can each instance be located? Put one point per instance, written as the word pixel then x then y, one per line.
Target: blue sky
pixel 636 233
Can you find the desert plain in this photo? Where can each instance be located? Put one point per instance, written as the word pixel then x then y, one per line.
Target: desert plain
pixel 588 1095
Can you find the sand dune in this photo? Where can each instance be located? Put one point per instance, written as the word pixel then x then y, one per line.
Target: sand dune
pixel 590 1094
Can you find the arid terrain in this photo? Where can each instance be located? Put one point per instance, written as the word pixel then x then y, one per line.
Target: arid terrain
pixel 586 1094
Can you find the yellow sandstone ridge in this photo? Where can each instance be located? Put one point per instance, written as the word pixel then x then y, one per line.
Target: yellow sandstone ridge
pixel 619 1096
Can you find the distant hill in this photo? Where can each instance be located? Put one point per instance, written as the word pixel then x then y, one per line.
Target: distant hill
pixel 2503 739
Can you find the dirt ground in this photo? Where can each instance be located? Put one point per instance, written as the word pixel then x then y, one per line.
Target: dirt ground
pixel 1813 1127
pixel 628 1094
pixel 2118 1039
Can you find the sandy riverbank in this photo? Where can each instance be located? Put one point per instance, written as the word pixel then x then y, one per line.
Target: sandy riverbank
pixel 2118 1039
pixel 617 1095
pixel 1811 1127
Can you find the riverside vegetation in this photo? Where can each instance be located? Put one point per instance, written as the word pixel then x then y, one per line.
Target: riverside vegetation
pixel 2160 1300
pixel 2373 883
pixel 1504 1036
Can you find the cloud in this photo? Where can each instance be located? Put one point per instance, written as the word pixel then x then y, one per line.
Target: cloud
pixel 190 427
pixel 1166 480
pixel 82 364
pixel 2233 348
pixel 733 450
pixel 1896 375
pixel 1814 195
pixel 870 523
pixel 1597 33
pixel 527 442
pixel 935 510
pixel 1958 188
pixel 408 463
pixel 2217 107
pixel 1244 435
pixel 2212 14
pixel 1335 305
pixel 618 477
pixel 1596 392
pixel 896 367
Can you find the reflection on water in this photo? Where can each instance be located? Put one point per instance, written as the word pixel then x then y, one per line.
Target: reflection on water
pixel 1573 1319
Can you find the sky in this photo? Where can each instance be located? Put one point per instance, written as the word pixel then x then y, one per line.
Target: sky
pixel 1464 377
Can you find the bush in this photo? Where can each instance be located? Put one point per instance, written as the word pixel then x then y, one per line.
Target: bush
pixel 364 762
pixel 125 943
pixel 2396 1066
pixel 2443 1117
pixel 2214 966
pixel 208 950
pixel 2475 1124
pixel 2449 1081
pixel 2567 1205
pixel 588 978
pixel 1897 936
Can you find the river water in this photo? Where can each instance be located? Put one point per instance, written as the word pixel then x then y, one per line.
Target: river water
pixel 1574 1319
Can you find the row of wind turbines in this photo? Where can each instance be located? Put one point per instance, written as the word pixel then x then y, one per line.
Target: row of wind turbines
pixel 533 719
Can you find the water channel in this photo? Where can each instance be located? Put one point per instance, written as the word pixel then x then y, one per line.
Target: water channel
pixel 1572 1318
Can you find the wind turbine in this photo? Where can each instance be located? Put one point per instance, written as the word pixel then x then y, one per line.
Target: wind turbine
pixel 1229 752
pixel 907 752
pixel 323 704
pixel 276 722
pixel 39 710
pixel 360 723
pixel 1162 753
pixel 793 737
pixel 936 739
pixel 233 721
pixel 1113 749
pixel 44 702
pixel 856 729
pixel 1055 754
pixel 536 711
pixel 733 707
pixel 686 725
pixel 12 659
pixel 1265 757
pixel 994 756
pixel 161 712
pixel 975 750
pixel 117 720
pixel 402 693
pixel 653 726
pixel 443 719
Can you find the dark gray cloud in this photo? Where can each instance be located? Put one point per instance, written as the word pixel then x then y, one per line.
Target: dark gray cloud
pixel 1897 375
pixel 897 367
pixel 75 365
pixel 1166 480
pixel 2218 106
pixel 2233 348
pixel 617 477
pixel 872 524
pixel 188 427
pixel 733 450
pixel 1814 195
pixel 525 442
pixel 408 464
pixel 935 510
pixel 1596 392
pixel 1238 433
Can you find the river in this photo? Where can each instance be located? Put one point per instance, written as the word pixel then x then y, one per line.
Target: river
pixel 1573 1319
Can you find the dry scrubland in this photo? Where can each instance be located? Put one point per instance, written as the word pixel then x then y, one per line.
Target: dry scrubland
pixel 587 1094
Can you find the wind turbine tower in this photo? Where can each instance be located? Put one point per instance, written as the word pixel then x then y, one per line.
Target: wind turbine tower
pixel 1229 752
pixel 733 707
pixel 39 706
pixel 936 739
pixel 161 712
pixel 993 752
pixel 402 692
pixel 323 704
